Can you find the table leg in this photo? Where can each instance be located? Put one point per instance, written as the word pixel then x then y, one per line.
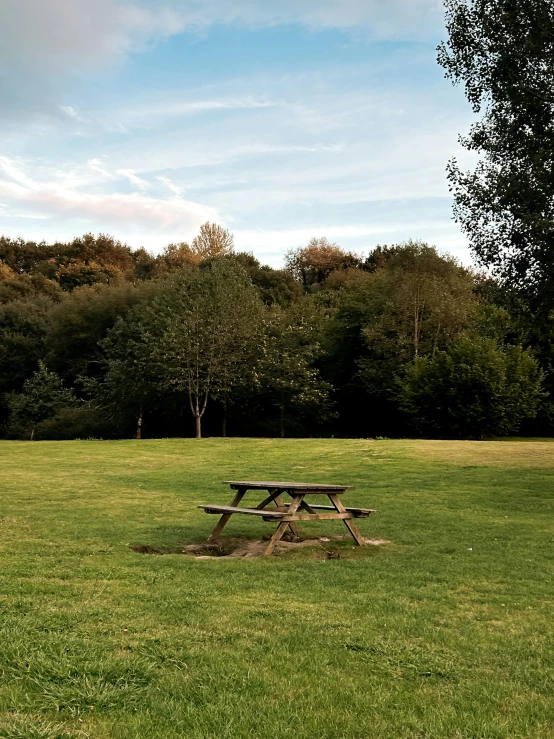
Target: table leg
pixel 292 526
pixel 273 495
pixel 349 523
pixel 276 538
pixel 241 492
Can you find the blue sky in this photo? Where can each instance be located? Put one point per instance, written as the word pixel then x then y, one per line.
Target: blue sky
pixel 282 121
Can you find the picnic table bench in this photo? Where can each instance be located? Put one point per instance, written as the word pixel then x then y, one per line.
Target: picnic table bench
pixel 287 514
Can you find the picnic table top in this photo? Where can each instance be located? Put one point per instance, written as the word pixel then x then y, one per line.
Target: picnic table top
pixel 264 485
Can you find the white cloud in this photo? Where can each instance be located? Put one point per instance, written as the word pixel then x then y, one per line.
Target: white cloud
pixel 44 43
pixel 70 111
pixel 135 179
pixel 166 109
pixel 97 166
pixel 127 212
pixel 393 18
pixel 174 189
pixel 78 33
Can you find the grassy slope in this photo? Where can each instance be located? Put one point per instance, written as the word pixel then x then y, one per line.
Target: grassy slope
pixel 447 632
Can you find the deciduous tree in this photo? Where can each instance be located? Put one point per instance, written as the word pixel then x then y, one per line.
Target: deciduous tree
pixel 202 338
pixel 474 388
pixel 43 394
pixel 286 373
pixel 212 241
pixel 502 51
pixel 313 263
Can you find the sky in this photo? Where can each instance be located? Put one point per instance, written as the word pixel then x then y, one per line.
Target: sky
pixel 279 119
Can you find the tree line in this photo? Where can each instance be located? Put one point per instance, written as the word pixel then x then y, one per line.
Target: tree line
pixel 98 340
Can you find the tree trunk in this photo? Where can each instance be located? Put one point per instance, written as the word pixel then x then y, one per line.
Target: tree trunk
pixel 198 427
pixel 32 433
pixel 282 423
pixel 224 419
pixel 416 332
pixel 139 425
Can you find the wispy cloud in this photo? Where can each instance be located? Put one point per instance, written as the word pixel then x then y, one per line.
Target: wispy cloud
pixel 173 215
pixel 176 108
pixel 391 19
pixel 98 166
pixel 133 178
pixel 167 182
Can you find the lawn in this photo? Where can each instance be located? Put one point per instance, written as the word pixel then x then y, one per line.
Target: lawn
pixel 446 632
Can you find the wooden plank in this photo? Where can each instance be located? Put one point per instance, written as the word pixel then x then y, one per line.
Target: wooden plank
pixel 358 512
pixel 318 517
pixel 246 511
pixel 292 526
pixel 350 525
pixel 241 492
pixel 273 494
pixel 305 486
pixel 282 526
pixel 305 507
pixel 310 491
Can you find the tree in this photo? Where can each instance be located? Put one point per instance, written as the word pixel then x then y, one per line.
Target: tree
pixel 212 241
pixel 420 300
pixel 24 325
pixel 130 383
pixel 276 286
pixel 503 52
pixel 43 394
pixel 474 388
pixel 312 264
pixel 177 256
pixel 285 372
pixel 83 319
pixel 411 306
pixel 202 332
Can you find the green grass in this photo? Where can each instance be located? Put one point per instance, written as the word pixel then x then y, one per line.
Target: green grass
pixel 446 632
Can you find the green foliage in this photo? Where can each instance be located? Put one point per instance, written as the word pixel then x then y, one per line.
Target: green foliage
pixel 285 374
pixel 276 286
pixel 131 382
pixel 472 389
pixel 201 329
pixel 415 302
pixel 84 261
pixel 24 326
pixel 43 394
pixel 201 332
pixel 503 52
pixel 82 319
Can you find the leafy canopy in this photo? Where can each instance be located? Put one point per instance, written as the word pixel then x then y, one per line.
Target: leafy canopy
pixel 503 53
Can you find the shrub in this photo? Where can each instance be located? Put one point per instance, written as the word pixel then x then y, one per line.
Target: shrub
pixel 473 389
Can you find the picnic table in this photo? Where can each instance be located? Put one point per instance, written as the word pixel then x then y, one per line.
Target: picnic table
pixel 286 515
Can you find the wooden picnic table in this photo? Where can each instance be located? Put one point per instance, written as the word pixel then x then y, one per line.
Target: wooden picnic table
pixel 286 515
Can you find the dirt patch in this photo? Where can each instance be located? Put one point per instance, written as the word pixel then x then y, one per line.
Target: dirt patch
pixel 244 548
pixel 217 549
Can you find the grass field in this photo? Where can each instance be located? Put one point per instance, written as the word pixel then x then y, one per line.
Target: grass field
pixel 447 632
